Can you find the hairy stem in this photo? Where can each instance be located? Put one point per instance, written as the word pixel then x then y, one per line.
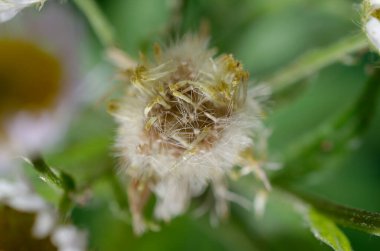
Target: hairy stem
pixel 346 216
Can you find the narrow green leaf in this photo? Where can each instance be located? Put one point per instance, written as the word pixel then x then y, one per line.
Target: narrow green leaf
pixel 60 179
pixel 47 173
pixel 326 231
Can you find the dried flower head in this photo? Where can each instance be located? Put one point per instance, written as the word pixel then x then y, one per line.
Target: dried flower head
pixel 184 122
pixel 9 8
pixel 27 222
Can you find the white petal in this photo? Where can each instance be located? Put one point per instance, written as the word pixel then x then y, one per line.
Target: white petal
pixel 260 203
pixel 44 224
pixel 29 133
pixel 6 190
pixel 374 3
pixel 10 190
pixel 10 8
pixel 8 14
pixel 372 28
pixel 69 238
pixel 30 203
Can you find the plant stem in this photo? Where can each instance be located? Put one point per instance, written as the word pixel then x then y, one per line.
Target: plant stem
pixel 103 30
pixel 315 60
pixel 65 206
pixel 350 217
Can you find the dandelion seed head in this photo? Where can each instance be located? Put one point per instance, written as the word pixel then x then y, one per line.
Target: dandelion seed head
pixel 183 123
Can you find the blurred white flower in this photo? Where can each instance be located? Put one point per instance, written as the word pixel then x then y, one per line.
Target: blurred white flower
pixel 184 123
pixel 371 22
pixel 39 62
pixel 68 238
pixel 9 8
pixel 31 224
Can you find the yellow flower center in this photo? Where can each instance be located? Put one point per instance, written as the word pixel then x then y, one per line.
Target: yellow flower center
pixel 30 78
pixel 376 13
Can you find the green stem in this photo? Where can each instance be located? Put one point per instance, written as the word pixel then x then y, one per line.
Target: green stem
pixel 315 60
pixel 98 21
pixel 346 216
pixel 65 206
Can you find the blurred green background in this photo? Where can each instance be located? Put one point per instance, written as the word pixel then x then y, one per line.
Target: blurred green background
pixel 265 35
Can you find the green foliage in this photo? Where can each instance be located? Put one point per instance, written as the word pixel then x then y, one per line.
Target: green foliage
pixel 333 138
pixel 349 217
pixel 326 231
pixel 266 35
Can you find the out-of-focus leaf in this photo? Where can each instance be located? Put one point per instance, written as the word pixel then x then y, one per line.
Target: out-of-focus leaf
pixel 314 61
pixel 326 231
pixel 332 139
pixel 137 24
pixel 99 23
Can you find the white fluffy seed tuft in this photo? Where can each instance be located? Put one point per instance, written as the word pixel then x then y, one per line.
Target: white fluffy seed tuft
pixel 183 124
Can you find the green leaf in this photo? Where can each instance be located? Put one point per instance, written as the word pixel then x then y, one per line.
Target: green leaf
pixel 326 231
pixel 51 176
